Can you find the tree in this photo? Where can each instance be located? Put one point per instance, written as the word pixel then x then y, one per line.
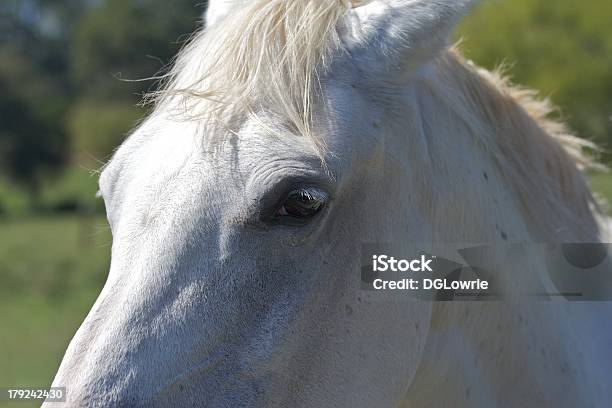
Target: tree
pixel 563 49
pixel 129 40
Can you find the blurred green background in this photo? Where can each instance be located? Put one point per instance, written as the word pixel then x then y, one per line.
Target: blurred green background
pixel 66 101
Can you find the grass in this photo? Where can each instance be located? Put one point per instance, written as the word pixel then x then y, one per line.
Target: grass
pixel 51 270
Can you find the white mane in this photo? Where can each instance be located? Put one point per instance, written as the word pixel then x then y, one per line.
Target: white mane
pixel 538 155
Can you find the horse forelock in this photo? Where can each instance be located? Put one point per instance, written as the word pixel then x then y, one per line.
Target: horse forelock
pixel 268 53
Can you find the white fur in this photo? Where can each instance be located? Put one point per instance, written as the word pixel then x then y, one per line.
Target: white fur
pixel 205 305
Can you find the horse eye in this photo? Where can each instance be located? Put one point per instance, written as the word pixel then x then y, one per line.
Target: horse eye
pixel 303 203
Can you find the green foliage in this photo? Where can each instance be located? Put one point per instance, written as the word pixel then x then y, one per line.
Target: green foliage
pixel 97 128
pixel 562 48
pixel 74 191
pixel 31 139
pixel 71 70
pixel 62 102
pixel 14 201
pixel 601 183
pixel 129 40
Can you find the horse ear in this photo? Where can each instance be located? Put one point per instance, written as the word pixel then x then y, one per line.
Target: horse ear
pixel 398 36
pixel 218 9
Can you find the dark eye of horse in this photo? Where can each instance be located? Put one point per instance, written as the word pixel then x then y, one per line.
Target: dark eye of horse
pixel 303 203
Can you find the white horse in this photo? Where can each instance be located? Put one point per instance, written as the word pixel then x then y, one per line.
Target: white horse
pixel 289 133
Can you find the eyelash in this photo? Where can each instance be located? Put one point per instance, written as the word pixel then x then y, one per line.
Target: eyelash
pixel 295 213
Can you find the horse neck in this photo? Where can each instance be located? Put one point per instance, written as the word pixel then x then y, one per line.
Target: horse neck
pixel 538 157
pixel 514 352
